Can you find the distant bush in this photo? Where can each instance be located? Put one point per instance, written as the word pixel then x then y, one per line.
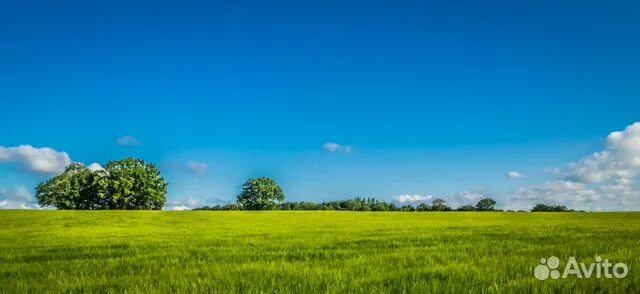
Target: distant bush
pixel 220 207
pixel 466 208
pixel 550 208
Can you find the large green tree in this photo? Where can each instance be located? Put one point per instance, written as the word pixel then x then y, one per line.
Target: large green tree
pixel 125 184
pixel 134 184
pixel 67 190
pixel 260 194
pixel 439 205
pixel 486 204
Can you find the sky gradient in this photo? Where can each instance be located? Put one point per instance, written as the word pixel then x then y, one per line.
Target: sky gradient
pixel 333 99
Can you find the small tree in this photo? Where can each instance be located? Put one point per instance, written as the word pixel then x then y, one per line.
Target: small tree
pixel 423 207
pixel 466 208
pixel 439 205
pixel 486 204
pixel 260 194
pixel 408 207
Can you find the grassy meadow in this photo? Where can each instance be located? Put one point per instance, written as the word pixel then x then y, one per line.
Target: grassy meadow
pixel 308 252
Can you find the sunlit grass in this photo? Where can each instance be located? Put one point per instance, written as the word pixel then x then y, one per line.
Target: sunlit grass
pixel 308 252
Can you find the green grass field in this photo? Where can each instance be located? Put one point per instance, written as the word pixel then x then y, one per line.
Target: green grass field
pixel 308 252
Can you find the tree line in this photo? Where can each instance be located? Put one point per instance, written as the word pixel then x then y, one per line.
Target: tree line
pixel 551 208
pixel 134 184
pixel 265 194
pixel 362 204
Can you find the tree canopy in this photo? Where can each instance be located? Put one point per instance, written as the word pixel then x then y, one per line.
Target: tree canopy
pixel 260 194
pixel 125 184
pixel 359 204
pixel 550 208
pixel 439 205
pixel 486 204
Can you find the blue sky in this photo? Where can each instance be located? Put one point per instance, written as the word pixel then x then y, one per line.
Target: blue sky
pixel 437 99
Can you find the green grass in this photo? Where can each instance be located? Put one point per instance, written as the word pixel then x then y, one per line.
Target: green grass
pixel 308 252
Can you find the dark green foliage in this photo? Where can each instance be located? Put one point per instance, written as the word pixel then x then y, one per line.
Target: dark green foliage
pixel 124 184
pixel 423 207
pixel 440 205
pixel 551 208
pixel 133 184
pixel 486 204
pixel 358 204
pixel 69 190
pixel 260 194
pixel 302 206
pixel 220 207
pixel 372 204
pixel 407 207
pixel 355 204
pixel 466 208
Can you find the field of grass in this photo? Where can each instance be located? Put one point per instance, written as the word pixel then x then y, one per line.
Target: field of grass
pixel 308 252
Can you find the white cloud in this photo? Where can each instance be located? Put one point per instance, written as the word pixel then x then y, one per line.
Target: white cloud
pixel 95 167
pixel 454 200
pixel 191 166
pixel 464 197
pixel 415 198
pixel 177 208
pixel 334 148
pixel 186 204
pixel 558 192
pixel 17 198
pixel 19 193
pixel 602 179
pixel 197 167
pixel 128 141
pixel 514 175
pixel 38 160
pixel 620 159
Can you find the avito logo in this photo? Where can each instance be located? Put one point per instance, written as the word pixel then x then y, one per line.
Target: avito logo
pixel 550 268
